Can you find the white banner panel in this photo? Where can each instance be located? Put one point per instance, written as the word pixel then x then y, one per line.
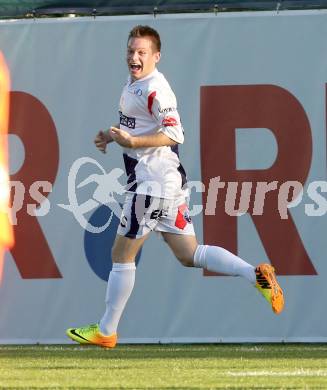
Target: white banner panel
pixel 251 89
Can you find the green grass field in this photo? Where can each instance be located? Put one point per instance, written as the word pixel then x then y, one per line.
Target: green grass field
pixel 221 366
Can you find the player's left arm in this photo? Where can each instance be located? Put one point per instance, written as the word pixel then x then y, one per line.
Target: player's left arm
pixel 123 138
pixel 163 109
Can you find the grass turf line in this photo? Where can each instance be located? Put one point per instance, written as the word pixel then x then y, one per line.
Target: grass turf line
pixel 220 366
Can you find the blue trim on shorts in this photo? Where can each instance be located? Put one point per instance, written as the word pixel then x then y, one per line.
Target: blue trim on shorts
pixel 134 227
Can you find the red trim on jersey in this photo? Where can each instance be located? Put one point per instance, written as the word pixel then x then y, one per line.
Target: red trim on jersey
pixel 150 101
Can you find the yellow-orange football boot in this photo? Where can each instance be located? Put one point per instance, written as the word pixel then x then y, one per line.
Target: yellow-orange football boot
pixel 267 284
pixel 91 334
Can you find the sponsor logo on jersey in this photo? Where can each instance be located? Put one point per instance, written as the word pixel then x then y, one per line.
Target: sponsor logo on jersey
pixel 169 121
pixel 138 92
pixel 126 121
pixel 166 110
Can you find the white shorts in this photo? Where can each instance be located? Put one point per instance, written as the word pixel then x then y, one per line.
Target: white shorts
pixel 144 213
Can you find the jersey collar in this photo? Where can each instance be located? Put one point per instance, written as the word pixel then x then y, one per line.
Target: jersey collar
pixel 130 82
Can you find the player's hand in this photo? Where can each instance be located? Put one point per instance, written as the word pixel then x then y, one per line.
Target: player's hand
pixel 101 141
pixel 122 137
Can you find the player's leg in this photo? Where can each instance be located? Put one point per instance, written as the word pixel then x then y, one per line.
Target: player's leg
pixel 217 259
pixel 177 230
pixel 131 234
pixel 125 249
pixel 119 288
pixel 121 281
pixel 211 258
pixel 183 247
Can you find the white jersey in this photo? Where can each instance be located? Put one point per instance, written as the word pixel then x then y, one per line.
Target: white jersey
pixel 148 106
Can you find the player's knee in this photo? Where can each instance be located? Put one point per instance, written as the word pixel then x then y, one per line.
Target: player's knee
pixel 118 255
pixel 186 260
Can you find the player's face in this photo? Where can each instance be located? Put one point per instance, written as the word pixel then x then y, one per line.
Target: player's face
pixel 141 57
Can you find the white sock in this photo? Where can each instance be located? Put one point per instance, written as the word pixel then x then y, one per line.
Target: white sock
pixel 120 285
pixel 217 259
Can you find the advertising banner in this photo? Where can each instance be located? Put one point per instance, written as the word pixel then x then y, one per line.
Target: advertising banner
pixel 251 92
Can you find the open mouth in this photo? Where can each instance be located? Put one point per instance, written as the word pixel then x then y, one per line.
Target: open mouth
pixel 135 67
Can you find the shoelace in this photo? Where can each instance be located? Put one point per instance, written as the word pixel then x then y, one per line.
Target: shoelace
pixel 262 280
pixel 86 330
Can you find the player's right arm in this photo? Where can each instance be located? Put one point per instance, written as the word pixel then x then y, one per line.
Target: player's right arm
pixel 102 139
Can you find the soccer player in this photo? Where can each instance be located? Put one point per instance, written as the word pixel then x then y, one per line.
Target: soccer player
pixel 149 132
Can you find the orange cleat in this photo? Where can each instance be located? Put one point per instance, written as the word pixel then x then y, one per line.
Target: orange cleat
pixel 91 334
pixel 267 284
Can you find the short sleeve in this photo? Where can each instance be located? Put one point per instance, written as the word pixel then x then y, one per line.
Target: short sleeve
pixel 163 108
